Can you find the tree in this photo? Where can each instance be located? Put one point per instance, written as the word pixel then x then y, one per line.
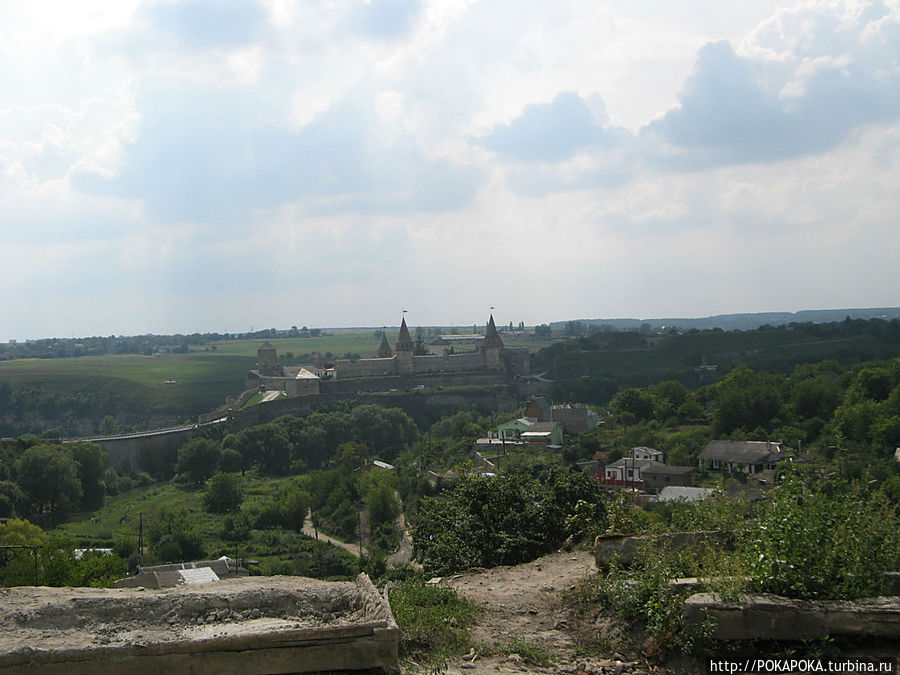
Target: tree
pixel 350 455
pixel 198 459
pixel 747 400
pixel 109 426
pixel 376 487
pixel 636 402
pixel 293 505
pixel 91 472
pixel 173 537
pixel 420 348
pixel 266 446
pixel 224 493
pixel 49 477
pixel 543 330
pixel 12 499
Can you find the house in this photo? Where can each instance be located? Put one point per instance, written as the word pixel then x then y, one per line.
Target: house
pixel 184 574
pixel 512 430
pixel 646 469
pixel 575 418
pixel 659 475
pixel 539 409
pixel 642 452
pixel 748 457
pixel 543 433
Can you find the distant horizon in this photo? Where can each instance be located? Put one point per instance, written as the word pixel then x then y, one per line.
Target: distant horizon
pixel 501 325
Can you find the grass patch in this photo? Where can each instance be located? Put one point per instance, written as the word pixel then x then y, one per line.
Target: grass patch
pixel 435 622
pixel 532 654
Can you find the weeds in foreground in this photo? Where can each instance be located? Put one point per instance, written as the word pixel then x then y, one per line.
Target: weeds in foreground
pixel 644 595
pixel 434 621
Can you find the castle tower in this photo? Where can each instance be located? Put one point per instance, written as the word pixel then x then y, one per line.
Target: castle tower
pixel 404 348
pixel 492 346
pixel 267 359
pixel 384 351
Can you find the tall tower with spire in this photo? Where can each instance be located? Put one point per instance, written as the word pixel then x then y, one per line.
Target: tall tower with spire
pixel 404 348
pixel 492 346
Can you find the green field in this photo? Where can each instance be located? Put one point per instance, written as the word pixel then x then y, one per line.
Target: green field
pixel 168 384
pixel 167 388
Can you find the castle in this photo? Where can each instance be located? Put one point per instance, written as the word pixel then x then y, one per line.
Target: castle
pixel 490 355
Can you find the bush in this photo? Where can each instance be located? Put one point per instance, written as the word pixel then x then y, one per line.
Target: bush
pixel 833 541
pixel 504 520
pixel 642 594
pixel 173 538
pixel 224 493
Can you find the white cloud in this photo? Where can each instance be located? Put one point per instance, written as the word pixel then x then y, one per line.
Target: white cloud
pixel 554 160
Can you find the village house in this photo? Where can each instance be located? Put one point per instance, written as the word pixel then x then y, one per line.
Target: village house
pixel 543 433
pixel 750 457
pixel 513 430
pixel 645 469
pixel 575 418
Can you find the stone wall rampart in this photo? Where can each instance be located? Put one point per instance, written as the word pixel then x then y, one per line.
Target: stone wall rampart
pixel 771 617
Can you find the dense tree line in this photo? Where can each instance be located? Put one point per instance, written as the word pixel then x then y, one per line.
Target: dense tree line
pixel 45 482
pixel 582 371
pixel 56 348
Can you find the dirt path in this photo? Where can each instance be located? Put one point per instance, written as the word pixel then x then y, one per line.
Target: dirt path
pixel 310 531
pixel 404 553
pixel 526 604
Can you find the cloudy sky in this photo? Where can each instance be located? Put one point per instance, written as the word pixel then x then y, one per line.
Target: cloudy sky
pixel 212 165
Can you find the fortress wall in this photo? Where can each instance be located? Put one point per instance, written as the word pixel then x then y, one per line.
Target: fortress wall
pixel 430 381
pixel 151 452
pixel 364 368
pixel 448 362
pixel 301 387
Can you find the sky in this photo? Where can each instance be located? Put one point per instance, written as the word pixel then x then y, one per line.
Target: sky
pixel 220 165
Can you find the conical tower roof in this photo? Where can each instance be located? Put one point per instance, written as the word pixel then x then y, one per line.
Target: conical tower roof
pixel 404 341
pixel 384 350
pixel 491 336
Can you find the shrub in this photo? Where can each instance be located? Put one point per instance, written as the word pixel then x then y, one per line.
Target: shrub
pixel 504 520
pixel 830 541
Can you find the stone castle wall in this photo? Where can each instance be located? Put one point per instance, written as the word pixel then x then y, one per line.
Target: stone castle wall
pixel 450 363
pixel 344 368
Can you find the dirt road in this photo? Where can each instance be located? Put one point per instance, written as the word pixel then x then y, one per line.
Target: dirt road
pixel 310 531
pixel 527 604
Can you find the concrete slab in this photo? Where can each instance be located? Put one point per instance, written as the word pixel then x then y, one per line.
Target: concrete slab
pixel 244 625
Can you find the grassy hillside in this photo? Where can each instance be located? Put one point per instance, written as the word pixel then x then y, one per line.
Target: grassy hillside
pixel 167 384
